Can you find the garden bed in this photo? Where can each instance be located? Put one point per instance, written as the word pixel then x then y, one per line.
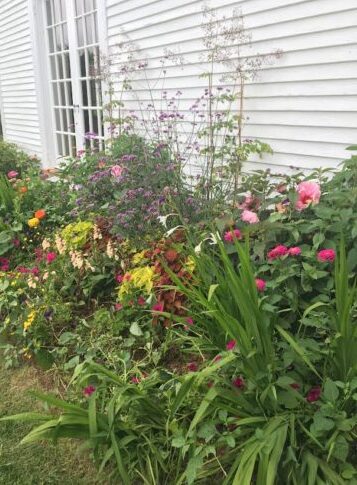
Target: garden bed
pixel 209 338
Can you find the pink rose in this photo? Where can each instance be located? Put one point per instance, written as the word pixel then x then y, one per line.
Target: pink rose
pixel 116 171
pixel 249 216
pixel 295 251
pixel 277 252
pixel 229 236
pixel 326 255
pixel 308 193
pixel 12 174
pixel 261 284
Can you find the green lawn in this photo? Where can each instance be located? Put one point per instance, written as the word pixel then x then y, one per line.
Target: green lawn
pixel 37 464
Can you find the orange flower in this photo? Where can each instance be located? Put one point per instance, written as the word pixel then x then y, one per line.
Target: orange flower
pixel 23 189
pixel 40 214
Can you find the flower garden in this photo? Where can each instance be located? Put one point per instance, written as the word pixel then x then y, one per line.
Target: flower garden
pixel 201 338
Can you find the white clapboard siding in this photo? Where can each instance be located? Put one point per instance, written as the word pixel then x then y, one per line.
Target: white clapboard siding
pixel 304 104
pixel 18 95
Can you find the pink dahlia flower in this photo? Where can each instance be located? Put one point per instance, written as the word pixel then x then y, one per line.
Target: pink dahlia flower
pixel 326 255
pixel 295 251
pixel 278 252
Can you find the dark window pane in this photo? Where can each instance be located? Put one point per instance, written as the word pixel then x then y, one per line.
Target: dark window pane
pixel 82 62
pixel 55 93
pixel 84 93
pixel 48 12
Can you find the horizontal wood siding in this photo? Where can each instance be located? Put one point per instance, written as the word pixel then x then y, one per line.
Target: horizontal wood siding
pixel 304 105
pixel 21 124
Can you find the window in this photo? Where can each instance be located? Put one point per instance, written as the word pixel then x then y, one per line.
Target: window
pixel 74 60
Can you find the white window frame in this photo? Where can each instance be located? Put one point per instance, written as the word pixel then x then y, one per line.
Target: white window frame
pixel 45 97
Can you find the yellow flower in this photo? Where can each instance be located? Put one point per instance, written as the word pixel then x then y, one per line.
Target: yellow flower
pixel 138 257
pixel 29 321
pixel 34 222
pixel 190 264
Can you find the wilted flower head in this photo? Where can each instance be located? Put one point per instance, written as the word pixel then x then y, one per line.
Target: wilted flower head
pixel 313 394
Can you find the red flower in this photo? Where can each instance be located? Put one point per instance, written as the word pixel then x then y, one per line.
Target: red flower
pixel 88 391
pixel 231 344
pixel 141 301
pixel 260 284
pixel 277 252
pixel 192 366
pixel 295 251
pixel 230 236
pixel 119 278
pixel 314 394
pixel 326 255
pixel 238 382
pixel 135 380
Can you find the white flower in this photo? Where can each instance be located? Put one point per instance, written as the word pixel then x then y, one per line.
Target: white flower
pixel 171 231
pixel 163 219
pixel 213 239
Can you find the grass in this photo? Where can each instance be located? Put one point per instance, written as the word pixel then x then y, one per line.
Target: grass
pixel 37 464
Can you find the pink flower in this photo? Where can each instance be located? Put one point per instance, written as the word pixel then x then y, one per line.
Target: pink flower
pixel 189 321
pixel 313 394
pixel 141 301
pixel 116 171
pixel 135 380
pixel 308 193
pixel 326 255
pixel 277 252
pixel 249 216
pixel 119 278
pixel 50 257
pixel 118 306
pixel 295 251
pixel 88 391
pixel 238 382
pixel 229 236
pixel 12 174
pixel 158 307
pixel 231 344
pixel 261 284
pixel 192 366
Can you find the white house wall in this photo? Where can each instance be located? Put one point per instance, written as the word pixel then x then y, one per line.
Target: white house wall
pixel 19 97
pixel 304 105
